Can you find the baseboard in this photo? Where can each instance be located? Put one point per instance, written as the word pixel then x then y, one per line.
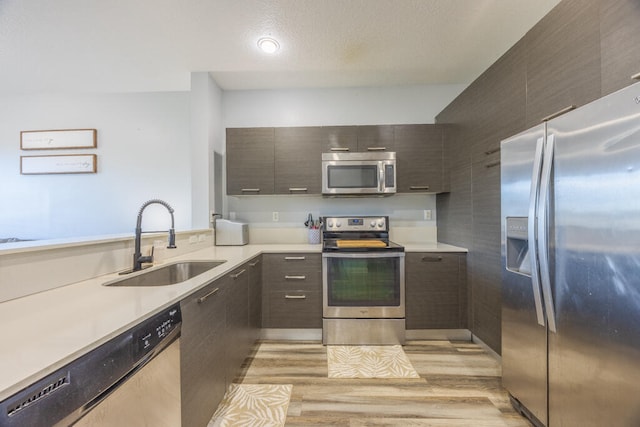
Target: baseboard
pixel 439 334
pixel 486 348
pixel 292 334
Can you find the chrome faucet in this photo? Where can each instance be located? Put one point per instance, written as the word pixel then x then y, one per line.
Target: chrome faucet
pixel 138 259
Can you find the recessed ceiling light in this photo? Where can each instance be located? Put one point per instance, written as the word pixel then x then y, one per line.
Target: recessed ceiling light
pixel 268 45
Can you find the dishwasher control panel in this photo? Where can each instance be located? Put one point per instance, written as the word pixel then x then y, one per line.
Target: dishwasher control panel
pixel 151 332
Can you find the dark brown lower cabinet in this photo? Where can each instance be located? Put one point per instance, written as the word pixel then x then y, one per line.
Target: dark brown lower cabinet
pixel 255 296
pixel 202 353
pixel 436 291
pixel 215 340
pixel 292 291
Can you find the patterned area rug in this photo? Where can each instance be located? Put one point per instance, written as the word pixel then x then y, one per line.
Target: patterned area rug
pixel 351 361
pixel 253 405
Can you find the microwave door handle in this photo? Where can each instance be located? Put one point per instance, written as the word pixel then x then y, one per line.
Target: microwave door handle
pixel 380 177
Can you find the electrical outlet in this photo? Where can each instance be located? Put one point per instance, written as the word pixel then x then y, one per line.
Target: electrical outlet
pixel 202 237
pixel 427 214
pixel 232 216
pixel 193 239
pixel 275 216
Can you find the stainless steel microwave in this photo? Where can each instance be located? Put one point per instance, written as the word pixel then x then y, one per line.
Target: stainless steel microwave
pixel 359 174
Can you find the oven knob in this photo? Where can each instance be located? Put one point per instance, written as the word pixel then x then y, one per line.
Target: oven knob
pixel 330 224
pixel 380 223
pixel 338 224
pixel 373 224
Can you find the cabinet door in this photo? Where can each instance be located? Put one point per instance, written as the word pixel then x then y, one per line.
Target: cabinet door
pixel 435 291
pixel 340 139
pixel 376 138
pixel 250 161
pixel 419 157
pixel 238 336
pixel 255 297
pixel 620 49
pixel 563 59
pixel 298 157
pixel 202 354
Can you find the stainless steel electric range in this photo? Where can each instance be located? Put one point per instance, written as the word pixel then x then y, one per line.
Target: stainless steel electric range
pixel 362 282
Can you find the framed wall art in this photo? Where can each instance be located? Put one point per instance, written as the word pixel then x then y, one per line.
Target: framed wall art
pixel 55 164
pixel 58 139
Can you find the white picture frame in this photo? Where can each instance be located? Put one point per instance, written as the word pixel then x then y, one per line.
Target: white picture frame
pixel 58 164
pixel 58 139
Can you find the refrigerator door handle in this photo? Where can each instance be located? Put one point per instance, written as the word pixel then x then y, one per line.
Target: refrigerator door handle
pixel 542 231
pixel 531 230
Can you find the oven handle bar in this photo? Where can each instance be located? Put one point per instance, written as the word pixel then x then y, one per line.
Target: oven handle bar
pixel 376 254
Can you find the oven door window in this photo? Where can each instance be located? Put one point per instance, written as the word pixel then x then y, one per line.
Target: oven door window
pixel 363 282
pixel 352 176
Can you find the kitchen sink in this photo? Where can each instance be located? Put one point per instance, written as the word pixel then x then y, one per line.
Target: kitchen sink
pixel 168 274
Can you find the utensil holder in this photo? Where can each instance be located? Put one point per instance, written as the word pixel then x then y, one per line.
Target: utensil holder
pixel 314 236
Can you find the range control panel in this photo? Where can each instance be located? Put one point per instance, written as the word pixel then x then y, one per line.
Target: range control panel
pixel 360 223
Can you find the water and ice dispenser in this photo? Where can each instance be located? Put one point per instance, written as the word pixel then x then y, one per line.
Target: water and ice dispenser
pixel 517 248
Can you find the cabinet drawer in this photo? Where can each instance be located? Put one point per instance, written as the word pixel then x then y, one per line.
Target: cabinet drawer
pixel 292 271
pixel 293 309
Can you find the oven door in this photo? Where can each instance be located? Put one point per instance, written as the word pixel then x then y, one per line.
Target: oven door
pixel 366 285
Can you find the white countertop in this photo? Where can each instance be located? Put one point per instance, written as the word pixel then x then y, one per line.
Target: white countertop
pixel 45 331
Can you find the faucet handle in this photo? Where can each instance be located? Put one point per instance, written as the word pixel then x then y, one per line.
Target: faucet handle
pixel 172 239
pixel 146 259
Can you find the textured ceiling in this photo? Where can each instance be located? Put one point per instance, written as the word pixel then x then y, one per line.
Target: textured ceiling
pixel 153 45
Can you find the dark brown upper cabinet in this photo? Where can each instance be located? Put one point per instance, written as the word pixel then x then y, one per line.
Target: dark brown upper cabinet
pixel 298 156
pixel 419 157
pixel 375 138
pixel 250 161
pixel 620 49
pixel 563 59
pixel 340 139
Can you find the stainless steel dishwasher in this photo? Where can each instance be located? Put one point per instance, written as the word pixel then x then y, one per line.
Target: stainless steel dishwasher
pixel 131 380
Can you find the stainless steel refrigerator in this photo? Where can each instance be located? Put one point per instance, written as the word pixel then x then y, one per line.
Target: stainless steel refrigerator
pixel 571 265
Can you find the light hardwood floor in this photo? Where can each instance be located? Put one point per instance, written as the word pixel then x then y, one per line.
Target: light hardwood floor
pixel 459 385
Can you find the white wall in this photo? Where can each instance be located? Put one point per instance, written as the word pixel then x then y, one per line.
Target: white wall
pixel 143 141
pixel 325 107
pixel 347 106
pixel 206 139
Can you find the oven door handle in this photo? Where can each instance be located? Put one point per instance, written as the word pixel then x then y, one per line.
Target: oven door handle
pixel 373 254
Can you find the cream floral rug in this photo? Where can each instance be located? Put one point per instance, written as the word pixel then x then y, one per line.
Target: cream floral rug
pixel 253 405
pixel 385 361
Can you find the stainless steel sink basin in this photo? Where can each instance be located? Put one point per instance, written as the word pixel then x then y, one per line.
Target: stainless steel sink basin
pixel 168 274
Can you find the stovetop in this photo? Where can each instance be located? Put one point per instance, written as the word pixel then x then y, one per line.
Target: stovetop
pixel 357 234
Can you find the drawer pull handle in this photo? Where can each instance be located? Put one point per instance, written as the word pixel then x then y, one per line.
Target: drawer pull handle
pixel 203 298
pixel 492 164
pixel 297 189
pixel 295 277
pixel 558 113
pixel 493 150
pixel 250 190
pixel 254 264
pixel 419 187
pixel 238 274
pixel 635 76
pixel 339 149
pixel 376 148
pixel 295 296
pixel 294 258
pixel 432 259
